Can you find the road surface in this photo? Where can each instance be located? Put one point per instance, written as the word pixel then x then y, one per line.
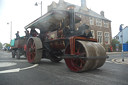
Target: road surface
pixel 20 72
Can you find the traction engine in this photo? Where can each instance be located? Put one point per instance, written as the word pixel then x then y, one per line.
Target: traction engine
pixel 60 39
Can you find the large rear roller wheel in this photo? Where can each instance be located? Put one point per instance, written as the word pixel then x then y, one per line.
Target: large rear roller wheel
pixel 34 52
pixel 100 51
pixel 88 50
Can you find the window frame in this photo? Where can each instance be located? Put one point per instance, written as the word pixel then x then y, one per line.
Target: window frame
pixel 107 37
pixel 101 37
pixel 99 22
pixel 93 34
pixel 91 20
pixel 106 24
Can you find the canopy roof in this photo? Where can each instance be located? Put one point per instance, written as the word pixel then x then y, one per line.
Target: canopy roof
pixel 51 20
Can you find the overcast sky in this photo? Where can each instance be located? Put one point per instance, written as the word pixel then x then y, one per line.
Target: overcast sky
pixel 22 12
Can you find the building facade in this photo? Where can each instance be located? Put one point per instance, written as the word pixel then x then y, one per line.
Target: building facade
pixel 125 35
pixel 99 25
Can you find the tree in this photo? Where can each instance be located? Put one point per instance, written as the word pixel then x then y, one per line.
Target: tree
pixel 1 45
pixel 6 46
pixel 114 42
pixel 127 42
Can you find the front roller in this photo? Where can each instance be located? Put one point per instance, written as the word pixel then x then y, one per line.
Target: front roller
pixel 34 52
pixel 93 56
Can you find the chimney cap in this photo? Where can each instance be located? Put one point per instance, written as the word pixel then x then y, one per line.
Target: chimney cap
pixel 70 7
pixel 102 13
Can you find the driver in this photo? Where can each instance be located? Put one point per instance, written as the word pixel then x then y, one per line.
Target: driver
pixel 33 32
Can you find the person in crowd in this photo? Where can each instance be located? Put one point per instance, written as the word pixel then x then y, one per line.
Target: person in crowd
pixel 27 34
pixel 17 35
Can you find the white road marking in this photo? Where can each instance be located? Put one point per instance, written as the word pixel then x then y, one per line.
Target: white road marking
pixel 10 71
pixel 18 69
pixel 108 61
pixel 7 64
pixel 13 61
pixel 29 67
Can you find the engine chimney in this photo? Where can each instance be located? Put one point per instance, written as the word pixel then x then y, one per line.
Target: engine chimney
pixel 72 17
pixel 83 3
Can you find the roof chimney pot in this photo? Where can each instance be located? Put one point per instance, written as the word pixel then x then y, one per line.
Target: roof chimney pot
pixel 102 13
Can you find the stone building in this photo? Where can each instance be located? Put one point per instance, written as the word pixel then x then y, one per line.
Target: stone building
pixel 99 25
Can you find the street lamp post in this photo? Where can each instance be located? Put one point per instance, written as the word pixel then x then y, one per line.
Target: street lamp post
pixel 10 30
pixel 121 30
pixel 36 4
pixel 122 47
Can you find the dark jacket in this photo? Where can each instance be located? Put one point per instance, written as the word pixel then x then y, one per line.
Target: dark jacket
pixel 33 32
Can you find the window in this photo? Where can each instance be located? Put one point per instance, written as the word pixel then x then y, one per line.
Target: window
pixel 106 38
pixel 100 37
pixel 91 20
pixel 98 22
pixel 106 24
pixel 93 34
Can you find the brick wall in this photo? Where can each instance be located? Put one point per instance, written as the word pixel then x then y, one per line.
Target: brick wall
pixel 85 19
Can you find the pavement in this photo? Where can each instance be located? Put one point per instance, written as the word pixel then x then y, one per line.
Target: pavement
pixel 116 53
pixel 118 58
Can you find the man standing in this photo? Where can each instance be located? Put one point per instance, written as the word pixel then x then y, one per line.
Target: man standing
pixel 33 32
pixel 17 35
pixel 27 34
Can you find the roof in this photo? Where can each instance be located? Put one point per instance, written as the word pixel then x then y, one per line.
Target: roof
pixel 122 30
pixel 92 13
pixel 84 12
pixel 51 20
pixel 45 21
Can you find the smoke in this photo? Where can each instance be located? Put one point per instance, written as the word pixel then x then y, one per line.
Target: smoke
pixel 60 15
pixel 51 21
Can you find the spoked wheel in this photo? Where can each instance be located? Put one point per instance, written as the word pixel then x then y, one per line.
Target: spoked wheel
pixel 87 50
pixel 34 52
pixel 76 64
